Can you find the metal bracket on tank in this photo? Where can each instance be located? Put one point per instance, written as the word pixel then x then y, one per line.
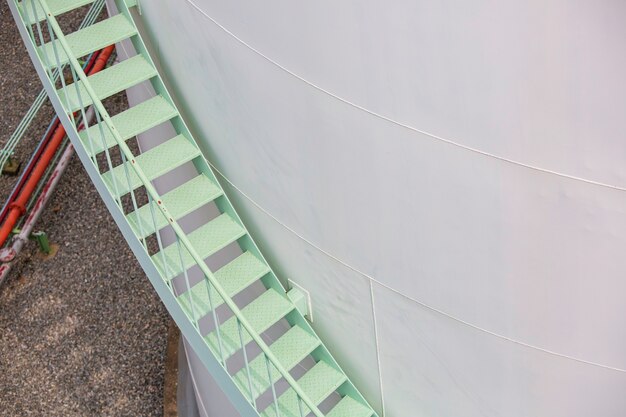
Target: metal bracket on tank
pixel 301 298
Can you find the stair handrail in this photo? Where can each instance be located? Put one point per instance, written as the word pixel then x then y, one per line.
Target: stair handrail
pixel 180 234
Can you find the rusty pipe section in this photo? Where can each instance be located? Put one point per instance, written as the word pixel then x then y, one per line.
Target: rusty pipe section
pixel 17 208
pixel 8 254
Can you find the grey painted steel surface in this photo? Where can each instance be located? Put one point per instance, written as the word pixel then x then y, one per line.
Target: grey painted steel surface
pixel 526 254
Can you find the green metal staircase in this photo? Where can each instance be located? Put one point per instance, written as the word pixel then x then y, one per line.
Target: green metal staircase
pixel 124 181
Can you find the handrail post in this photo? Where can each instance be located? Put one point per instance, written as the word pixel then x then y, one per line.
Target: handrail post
pixel 269 376
pixel 247 363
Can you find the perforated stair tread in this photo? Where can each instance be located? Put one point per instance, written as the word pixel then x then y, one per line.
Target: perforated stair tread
pixel 88 40
pixel 112 80
pixel 234 277
pixel 180 201
pixel 135 120
pixel 157 161
pixel 57 7
pixel 349 407
pixel 265 311
pixel 206 240
pixel 318 383
pixel 291 348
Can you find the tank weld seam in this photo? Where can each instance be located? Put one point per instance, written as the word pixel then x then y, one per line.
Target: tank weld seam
pixel 407 297
pixel 401 124
pixel 376 340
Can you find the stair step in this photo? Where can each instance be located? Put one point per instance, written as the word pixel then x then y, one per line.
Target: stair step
pixel 57 7
pixel 318 383
pixel 262 313
pixel 135 120
pixel 349 407
pixel 180 201
pixel 112 80
pixel 88 40
pixel 234 277
pixel 206 240
pixel 154 163
pixel 291 348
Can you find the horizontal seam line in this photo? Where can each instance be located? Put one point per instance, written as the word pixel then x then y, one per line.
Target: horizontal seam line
pixel 397 123
pixel 421 303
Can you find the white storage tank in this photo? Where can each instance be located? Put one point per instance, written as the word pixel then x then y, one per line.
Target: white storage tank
pixel 446 179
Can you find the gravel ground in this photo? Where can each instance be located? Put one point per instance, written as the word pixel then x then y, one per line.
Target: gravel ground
pixel 82 333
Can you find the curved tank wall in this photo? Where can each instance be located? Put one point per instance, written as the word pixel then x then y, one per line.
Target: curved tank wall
pixel 480 273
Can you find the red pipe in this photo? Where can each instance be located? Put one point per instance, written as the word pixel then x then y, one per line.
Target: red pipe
pixel 46 140
pixel 18 207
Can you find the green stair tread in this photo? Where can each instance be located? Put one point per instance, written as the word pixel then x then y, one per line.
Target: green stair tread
pixel 290 349
pixel 206 240
pixel 246 264
pixel 89 39
pixel 129 123
pixel 318 383
pixel 180 201
pixel 349 407
pixel 155 162
pixel 57 7
pixel 112 80
pixel 265 311
pixel 234 277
